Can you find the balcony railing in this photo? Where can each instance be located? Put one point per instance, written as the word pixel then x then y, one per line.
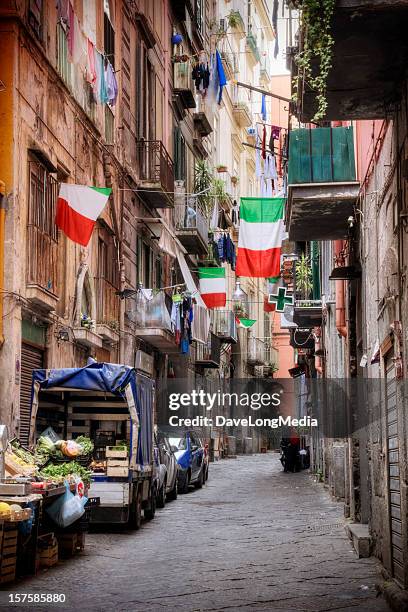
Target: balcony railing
pixel 241 107
pixel 184 84
pixel 156 173
pixel 225 325
pixel 252 39
pixel 208 355
pixel 42 260
pixel 192 226
pixel 256 351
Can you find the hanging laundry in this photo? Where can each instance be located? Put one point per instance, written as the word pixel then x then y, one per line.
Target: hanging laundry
pixel 272 143
pixel 221 78
pixel 258 163
pixel 90 67
pixel 269 188
pixel 270 168
pixel 111 84
pixel 71 29
pixel 201 77
pixel 263 108
pixel 100 84
pixel 264 142
pixel 275 27
pixel 276 130
pixel 214 216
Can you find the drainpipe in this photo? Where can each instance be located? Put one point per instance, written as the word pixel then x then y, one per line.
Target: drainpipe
pixel 340 294
pixel 3 202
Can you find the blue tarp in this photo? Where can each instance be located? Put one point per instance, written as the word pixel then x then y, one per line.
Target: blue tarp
pixel 110 378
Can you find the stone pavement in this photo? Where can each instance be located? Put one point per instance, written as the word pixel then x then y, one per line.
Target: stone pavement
pixel 253 538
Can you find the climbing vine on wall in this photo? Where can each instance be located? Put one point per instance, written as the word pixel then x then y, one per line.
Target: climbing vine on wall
pixel 317 47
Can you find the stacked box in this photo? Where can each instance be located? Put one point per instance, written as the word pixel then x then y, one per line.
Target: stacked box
pixel 8 553
pixel 47 550
pixel 67 544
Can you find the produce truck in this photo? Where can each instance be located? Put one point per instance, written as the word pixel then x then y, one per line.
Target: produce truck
pixel 113 406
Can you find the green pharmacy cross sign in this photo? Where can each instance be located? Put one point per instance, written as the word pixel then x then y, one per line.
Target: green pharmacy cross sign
pixel 280 299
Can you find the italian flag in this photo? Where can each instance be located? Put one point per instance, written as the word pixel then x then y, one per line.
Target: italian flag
pixel 261 230
pixel 78 208
pixel 213 286
pixel 247 323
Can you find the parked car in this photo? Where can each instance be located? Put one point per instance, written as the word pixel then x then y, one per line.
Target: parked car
pixel 192 459
pixel 167 482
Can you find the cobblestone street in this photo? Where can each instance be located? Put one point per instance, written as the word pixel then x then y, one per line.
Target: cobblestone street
pixel 253 538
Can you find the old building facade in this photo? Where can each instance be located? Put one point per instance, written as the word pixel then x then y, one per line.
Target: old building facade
pixel 63 303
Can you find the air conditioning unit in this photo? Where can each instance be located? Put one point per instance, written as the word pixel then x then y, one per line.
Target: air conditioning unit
pixel 144 363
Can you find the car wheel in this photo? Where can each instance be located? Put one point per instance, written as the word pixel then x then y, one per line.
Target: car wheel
pixel 135 512
pixel 200 481
pixel 173 493
pixel 186 483
pixel 161 498
pixel 151 511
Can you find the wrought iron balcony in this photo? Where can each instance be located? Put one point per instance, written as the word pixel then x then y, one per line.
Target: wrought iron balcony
pixel 184 84
pixel 208 355
pixel 191 226
pixel 225 326
pixel 256 351
pixel 156 174
pixel 252 40
pixel 322 189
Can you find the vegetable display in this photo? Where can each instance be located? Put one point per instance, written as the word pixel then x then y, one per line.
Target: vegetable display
pixel 86 443
pixel 64 470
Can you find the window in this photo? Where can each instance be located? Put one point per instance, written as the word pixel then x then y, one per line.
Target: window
pixel 106 281
pixel 108 35
pixel 42 199
pixel 109 125
pixel 35 17
pixel 63 65
pixel 144 264
pixel 179 155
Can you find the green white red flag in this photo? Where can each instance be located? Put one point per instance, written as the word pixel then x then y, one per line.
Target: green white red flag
pixel 78 208
pixel 213 287
pixel 242 322
pixel 261 231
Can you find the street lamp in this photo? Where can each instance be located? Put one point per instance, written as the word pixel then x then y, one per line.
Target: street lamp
pixel 238 294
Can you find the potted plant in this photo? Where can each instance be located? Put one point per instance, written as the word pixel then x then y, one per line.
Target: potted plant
pixel 234 19
pixel 221 168
pixel 304 277
pixel 234 179
pixel 87 322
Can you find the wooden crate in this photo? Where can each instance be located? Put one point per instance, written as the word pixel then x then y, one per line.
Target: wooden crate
pixel 117 471
pixel 67 544
pixel 49 556
pixel 114 453
pixel 117 462
pixel 10 576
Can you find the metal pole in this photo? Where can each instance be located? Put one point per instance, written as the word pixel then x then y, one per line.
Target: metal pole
pixel 262 91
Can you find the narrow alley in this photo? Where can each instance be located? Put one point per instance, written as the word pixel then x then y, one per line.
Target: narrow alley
pixel 254 538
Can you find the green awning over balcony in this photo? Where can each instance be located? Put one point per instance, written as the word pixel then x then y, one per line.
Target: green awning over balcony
pixel 321 155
